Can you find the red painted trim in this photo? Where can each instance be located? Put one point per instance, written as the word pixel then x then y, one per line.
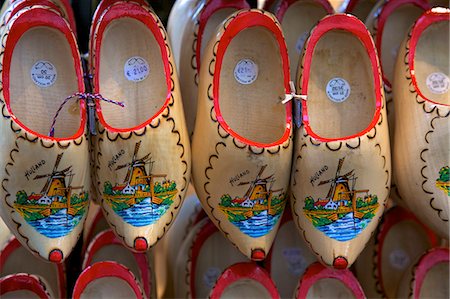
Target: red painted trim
pixel 386 11
pixel 105 269
pixel 426 20
pixel 393 217
pixel 104 4
pixel 317 271
pixel 286 4
pixel 241 271
pixel 22 281
pixel 354 26
pixel 26 3
pixel 351 6
pixel 207 230
pixel 99 216
pixel 134 11
pixel 427 261
pixel 14 244
pixel 199 217
pixel 242 21
pixel 107 238
pixel 35 17
pixel 208 10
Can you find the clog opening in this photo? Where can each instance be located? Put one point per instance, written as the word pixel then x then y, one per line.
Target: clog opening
pixel 106 288
pixel 433 286
pixel 210 264
pixel 431 63
pixel 21 260
pixel 394 31
pixel 131 71
pixel 341 92
pixel 402 246
pixel 245 288
pixel 42 75
pixel 329 288
pixel 251 83
pixel 20 294
pixel 297 22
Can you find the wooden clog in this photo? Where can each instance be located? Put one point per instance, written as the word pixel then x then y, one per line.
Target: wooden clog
pixel 322 282
pixel 388 23
pixel 422 113
pixel 107 247
pixel 180 15
pixel 441 3
pixel 197 33
pixel 360 8
pixel 95 224
pixel 400 240
pixel 297 18
pixel 243 132
pixel 289 257
pixel 142 152
pixel 24 285
pixel 206 254
pixel 14 258
pixel 107 280
pixel 429 277
pixel 44 147
pixel 341 170
pixel 5 233
pixel 244 280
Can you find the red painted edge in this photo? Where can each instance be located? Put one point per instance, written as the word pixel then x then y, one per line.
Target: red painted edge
pixel 105 269
pixel 430 259
pixel 207 230
pixel 70 15
pixel 106 238
pixel 14 244
pixel 392 217
pixel 351 6
pixel 208 10
pixel 244 271
pixel 242 21
pixel 286 4
pixel 134 11
pixel 26 3
pixel 35 17
pixel 386 11
pixel 426 20
pixel 354 26
pixel 22 281
pixel 317 271
pixel 104 4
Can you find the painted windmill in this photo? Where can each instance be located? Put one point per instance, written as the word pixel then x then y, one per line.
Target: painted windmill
pixel 136 173
pixel 258 187
pixel 56 180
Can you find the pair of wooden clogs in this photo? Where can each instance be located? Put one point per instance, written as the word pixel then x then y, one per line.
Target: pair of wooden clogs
pixel 139 159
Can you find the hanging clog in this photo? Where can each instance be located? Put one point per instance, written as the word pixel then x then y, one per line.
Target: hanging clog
pixel 24 285
pixel 341 168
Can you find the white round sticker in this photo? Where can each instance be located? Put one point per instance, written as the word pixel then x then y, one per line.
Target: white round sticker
pixel 300 42
pixel 246 71
pixel 438 83
pixel 399 259
pixel 136 69
pixel 43 73
pixel 210 276
pixel 338 90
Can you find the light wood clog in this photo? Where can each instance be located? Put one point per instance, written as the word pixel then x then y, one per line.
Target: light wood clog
pixel 244 280
pixel 44 146
pixel 197 33
pixel 341 169
pixel 24 285
pixel 289 257
pixel 95 224
pixel 142 152
pixel 14 258
pixel 322 282
pixel 422 113
pixel 243 133
pixel 104 280
pixel 429 277
pixel 400 240
pixel 107 247
pixel 297 18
